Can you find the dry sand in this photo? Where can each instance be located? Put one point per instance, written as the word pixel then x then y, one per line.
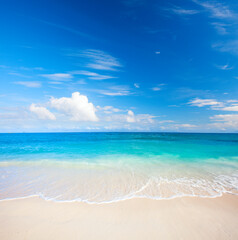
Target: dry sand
pixel 182 218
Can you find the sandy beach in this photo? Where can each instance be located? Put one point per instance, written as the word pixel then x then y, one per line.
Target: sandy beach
pixel 180 218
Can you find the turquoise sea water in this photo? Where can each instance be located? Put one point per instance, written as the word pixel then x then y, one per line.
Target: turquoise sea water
pixel 107 167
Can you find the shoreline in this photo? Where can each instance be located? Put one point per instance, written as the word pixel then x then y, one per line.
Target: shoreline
pixel 39 196
pixel 137 218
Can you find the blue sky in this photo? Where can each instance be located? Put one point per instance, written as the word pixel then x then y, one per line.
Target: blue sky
pixel 123 65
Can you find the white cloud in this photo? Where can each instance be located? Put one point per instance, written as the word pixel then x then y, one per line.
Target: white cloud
pixel 92 75
pixel 225 67
pixel 77 107
pixel 71 30
pixel 182 11
pixel 58 76
pixel 233 108
pixel 156 89
pixel 117 90
pixel 42 112
pixel 185 125
pixel 81 81
pixel 222 28
pixel 130 117
pixel 113 94
pixel 216 9
pixel 144 118
pixel 19 75
pixel 219 11
pixel 139 118
pixel 101 60
pixel 31 84
pixel 229 46
pixel 109 109
pixel 229 105
pixel 225 121
pixel 204 102
pixel 157 52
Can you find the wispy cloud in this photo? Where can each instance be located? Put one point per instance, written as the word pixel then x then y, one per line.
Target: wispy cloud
pixel 158 87
pixel 118 90
pixel 224 67
pixel 109 109
pixel 113 94
pixel 229 46
pixel 30 84
pixel 92 75
pixel 204 102
pixel 225 18
pixel 58 76
pixel 184 125
pixel 216 9
pixel 225 121
pixel 19 75
pixel 65 28
pixel 228 105
pixel 131 118
pixel 99 60
pixel 221 28
pixel 233 108
pixel 182 11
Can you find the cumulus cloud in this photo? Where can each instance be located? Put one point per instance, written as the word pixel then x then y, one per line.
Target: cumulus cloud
pixel 42 112
pixel 30 84
pixel 130 117
pixel 77 107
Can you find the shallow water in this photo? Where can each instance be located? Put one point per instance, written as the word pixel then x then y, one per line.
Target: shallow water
pixel 107 167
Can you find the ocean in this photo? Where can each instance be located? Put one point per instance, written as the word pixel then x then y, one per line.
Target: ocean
pixel 110 167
